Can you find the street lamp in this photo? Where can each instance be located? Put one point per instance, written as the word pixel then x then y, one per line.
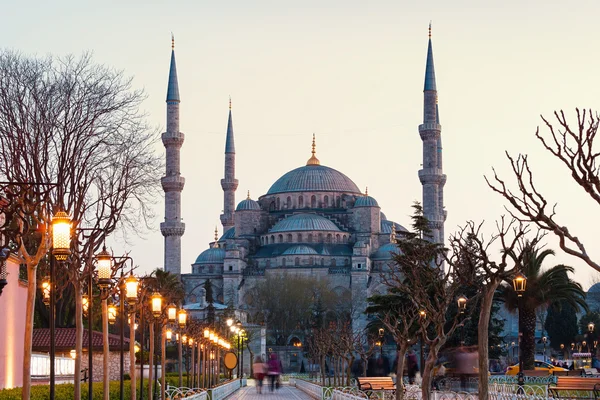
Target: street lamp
pixel 182 318
pixel 462 304
pixel 104 268
pixel 381 332
pixel 46 291
pixel 156 300
pixel 520 284
pixel 591 326
pixel 112 314
pixel 172 313
pixel 130 286
pixel 61 249
pixel 85 303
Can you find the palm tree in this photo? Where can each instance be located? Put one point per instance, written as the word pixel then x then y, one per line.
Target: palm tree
pixel 544 288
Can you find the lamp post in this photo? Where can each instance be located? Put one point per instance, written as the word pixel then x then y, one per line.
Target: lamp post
pixel 182 321
pixel 422 316
pixel 129 291
pixel 171 319
pixel 381 332
pixel 544 340
pixel 105 269
pixel 462 306
pixel 61 248
pixel 519 285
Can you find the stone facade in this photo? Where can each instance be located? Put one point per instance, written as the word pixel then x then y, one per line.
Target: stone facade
pixel 114 365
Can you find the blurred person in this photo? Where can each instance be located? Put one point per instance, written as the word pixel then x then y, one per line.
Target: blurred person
pixel 260 369
pixel 274 371
pixel 412 366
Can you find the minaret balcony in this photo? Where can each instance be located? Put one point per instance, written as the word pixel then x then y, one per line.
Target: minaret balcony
pixel 172 228
pixel 229 185
pixel 172 139
pixel 432 175
pixel 430 130
pixel 173 183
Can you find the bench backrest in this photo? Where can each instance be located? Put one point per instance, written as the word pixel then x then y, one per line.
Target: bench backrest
pixel 576 381
pixel 376 382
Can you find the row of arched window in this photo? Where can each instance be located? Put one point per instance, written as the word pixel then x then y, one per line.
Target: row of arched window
pixel 310 202
pixel 304 238
pixel 284 262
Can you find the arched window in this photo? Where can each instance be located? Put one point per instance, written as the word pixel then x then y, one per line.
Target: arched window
pixel 333 262
pixel 289 238
pixel 262 240
pixel 337 238
pixel 326 201
pixel 311 260
pixel 280 238
pixel 283 262
pixel 278 204
pixel 297 261
pixel 338 202
pixel 272 239
pixel 322 261
pixel 268 263
pixel 300 202
pixel 320 238
pixel 272 206
pixel 329 237
pixel 344 238
pixel 313 201
pixel 346 261
pixel 310 238
pixel 288 203
pixel 299 238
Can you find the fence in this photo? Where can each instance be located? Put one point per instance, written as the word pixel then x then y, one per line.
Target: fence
pixel 217 393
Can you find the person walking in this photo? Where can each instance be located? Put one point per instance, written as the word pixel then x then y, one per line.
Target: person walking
pixel 273 371
pixel 260 369
pixel 412 366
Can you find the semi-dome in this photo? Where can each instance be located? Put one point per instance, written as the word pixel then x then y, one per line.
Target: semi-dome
pixel 214 255
pixel 300 250
pixel 385 252
pixel 386 226
pixel 383 217
pixel 229 234
pixel 304 222
pixel 314 178
pixel 366 201
pixel 247 205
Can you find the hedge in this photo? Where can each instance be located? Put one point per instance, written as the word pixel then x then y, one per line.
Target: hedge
pixel 66 391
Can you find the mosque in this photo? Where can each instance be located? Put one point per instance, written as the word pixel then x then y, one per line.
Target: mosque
pixel 313 220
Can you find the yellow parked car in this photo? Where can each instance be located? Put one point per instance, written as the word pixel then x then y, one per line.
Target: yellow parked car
pixel 539 366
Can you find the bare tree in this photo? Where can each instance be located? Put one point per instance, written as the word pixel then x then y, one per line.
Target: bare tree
pixel 474 265
pixel 79 125
pixel 575 149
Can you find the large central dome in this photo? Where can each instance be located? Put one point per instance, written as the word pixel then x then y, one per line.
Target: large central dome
pixel 314 178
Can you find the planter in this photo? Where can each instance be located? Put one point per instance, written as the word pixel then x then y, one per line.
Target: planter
pixel 158 371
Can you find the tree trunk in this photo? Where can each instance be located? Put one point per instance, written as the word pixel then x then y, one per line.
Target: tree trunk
pixel 78 341
pixel 429 363
pixel 151 360
pixel 132 354
pixel 482 337
pixel 31 292
pixel 105 351
pixel 163 356
pixel 527 320
pixel 400 370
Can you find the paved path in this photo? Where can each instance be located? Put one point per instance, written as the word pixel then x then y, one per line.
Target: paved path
pixel 285 392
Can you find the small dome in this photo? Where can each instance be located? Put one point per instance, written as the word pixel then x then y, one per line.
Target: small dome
pixel 229 234
pixel 386 227
pixel 383 217
pixel 300 250
pixel 247 204
pixel 214 255
pixel 366 201
pixel 385 252
pixel 304 222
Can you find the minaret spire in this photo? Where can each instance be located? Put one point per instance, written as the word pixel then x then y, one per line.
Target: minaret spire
pixel 229 183
pixel 172 183
pixel 431 176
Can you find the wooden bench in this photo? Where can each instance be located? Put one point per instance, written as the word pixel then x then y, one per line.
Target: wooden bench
pixel 570 387
pixel 369 384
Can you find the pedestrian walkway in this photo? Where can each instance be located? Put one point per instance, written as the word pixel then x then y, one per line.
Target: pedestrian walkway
pixel 285 392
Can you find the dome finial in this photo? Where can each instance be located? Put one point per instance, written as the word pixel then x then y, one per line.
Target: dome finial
pixel 229 102
pixel 216 233
pixel 248 198
pixel 172 41
pixel 313 160
pixel 366 190
pixel 429 29
pixel 393 235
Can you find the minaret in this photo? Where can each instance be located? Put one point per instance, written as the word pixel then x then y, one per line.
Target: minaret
pixel 172 183
pixel 431 176
pixel 229 183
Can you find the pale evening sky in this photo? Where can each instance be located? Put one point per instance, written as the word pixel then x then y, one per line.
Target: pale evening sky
pixel 352 72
